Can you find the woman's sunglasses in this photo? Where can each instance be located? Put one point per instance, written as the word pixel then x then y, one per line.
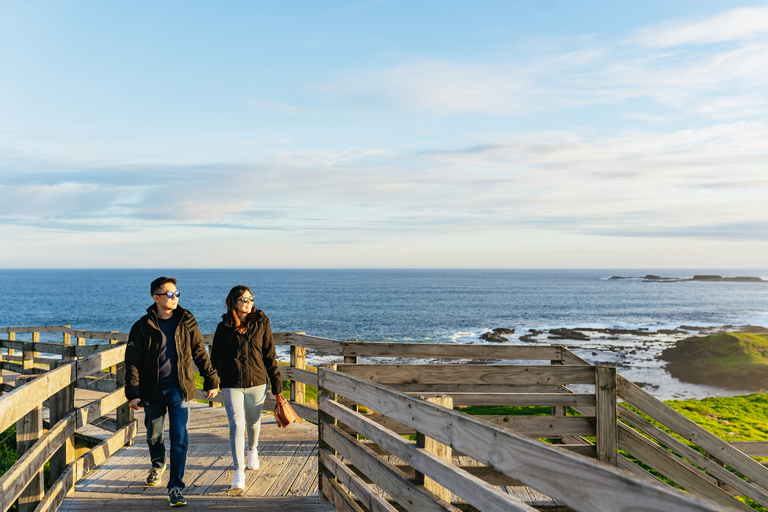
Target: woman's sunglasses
pixel 247 300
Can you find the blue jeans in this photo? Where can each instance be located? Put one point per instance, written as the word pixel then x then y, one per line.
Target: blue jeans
pixel 168 401
pixel 243 407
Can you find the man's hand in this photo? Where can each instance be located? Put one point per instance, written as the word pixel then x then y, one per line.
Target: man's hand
pixel 211 393
pixel 134 404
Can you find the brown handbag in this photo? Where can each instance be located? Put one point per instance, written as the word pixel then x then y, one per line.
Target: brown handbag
pixel 284 413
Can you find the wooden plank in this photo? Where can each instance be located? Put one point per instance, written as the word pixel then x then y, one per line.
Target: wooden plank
pixel 98 362
pixel 367 496
pixel 20 401
pixel 607 422
pixel 269 474
pixel 306 483
pixel 452 351
pixel 43 328
pixel 470 488
pixel 100 502
pixel 752 448
pixel 580 483
pixel 694 433
pixel 268 451
pixel 484 473
pixel 291 468
pixel 302 376
pixel 694 456
pixel 16 478
pixel 470 374
pixel 672 467
pixel 385 475
pixel 341 500
pixel 111 475
pixel 213 465
pixel 417 388
pixel 12 344
pixel 100 335
pixel 520 399
pixel 95 457
pixel 322 345
pixel 543 426
pixel 100 407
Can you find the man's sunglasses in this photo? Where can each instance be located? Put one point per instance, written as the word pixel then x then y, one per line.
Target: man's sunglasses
pixel 170 295
pixel 247 300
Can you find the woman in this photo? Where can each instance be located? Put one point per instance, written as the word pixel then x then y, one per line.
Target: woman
pixel 243 353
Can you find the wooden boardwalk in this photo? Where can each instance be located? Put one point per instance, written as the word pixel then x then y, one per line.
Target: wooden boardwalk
pixel 287 478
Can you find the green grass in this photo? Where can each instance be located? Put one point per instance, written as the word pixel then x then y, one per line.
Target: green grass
pixel 735 349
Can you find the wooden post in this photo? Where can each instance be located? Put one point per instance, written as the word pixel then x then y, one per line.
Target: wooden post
pixel 60 404
pixel 299 361
pixel 27 358
pixel 67 343
pixel 113 369
pixel 28 430
pixel 443 451
pixel 558 411
pixel 11 337
pixel 124 414
pixel 36 339
pixel 324 419
pixel 607 434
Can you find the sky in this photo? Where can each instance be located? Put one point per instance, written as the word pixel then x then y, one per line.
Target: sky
pixel 383 134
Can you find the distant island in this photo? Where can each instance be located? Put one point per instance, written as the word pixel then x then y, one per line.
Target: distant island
pixel 650 278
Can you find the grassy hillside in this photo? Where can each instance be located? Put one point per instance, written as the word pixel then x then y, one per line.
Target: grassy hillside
pixel 736 360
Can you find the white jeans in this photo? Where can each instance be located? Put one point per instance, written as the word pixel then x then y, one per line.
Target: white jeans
pixel 243 407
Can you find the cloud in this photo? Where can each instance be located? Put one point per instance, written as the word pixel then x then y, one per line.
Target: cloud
pixel 734 25
pixel 707 182
pixel 672 65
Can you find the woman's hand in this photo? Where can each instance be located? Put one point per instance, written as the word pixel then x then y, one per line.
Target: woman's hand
pixel 211 393
pixel 135 404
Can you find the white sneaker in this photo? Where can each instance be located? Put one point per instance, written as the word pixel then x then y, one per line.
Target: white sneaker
pixel 239 481
pixel 252 456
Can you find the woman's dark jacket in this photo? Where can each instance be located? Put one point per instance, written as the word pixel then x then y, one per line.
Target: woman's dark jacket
pixel 143 350
pixel 246 360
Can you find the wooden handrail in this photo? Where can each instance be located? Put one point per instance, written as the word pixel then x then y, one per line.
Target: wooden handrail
pixel 581 483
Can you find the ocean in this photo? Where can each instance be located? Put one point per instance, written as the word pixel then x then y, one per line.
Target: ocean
pixel 438 306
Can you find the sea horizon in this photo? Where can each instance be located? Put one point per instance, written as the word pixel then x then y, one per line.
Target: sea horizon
pixel 416 306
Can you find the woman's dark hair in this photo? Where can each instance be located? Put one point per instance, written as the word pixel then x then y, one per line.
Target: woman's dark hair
pixel 234 294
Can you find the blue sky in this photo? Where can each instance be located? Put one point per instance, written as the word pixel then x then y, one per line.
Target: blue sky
pixel 384 134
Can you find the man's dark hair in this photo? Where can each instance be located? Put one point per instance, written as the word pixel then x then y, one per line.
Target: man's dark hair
pixel 160 281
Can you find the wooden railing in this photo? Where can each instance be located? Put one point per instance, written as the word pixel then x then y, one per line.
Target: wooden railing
pixel 23 404
pixel 615 424
pixel 508 455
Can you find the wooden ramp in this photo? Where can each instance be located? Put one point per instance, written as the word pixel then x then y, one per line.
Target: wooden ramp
pixel 286 480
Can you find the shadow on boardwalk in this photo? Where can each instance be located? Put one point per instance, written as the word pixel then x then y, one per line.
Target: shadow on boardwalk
pixel 286 479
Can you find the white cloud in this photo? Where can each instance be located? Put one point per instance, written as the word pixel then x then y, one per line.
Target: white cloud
pixel 733 25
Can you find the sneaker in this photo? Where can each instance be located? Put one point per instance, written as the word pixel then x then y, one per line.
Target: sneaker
pixel 155 475
pixel 238 482
pixel 252 456
pixel 176 498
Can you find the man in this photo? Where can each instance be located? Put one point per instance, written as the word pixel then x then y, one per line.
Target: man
pixel 160 378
